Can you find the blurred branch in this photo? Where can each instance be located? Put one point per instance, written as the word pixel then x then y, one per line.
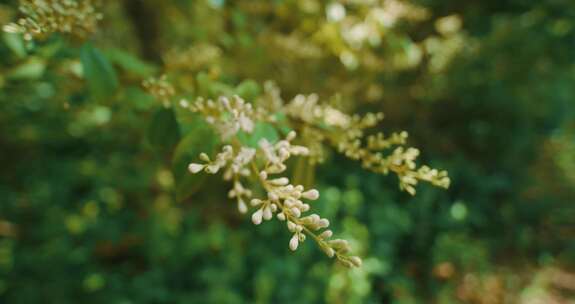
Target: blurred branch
pixel 145 18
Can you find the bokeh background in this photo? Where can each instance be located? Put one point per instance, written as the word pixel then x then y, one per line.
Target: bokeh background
pixel 96 205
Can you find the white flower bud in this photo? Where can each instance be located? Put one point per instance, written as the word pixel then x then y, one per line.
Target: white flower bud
pixel 329 252
pixel 204 157
pixel 184 103
pixel 224 101
pixel 195 168
pixel 291 226
pixel 340 244
pixel 299 150
pixel 283 154
pixel 291 135
pixel 323 223
pixel 276 168
pixel 232 193
pixel 298 228
pixel 255 202
pixel 281 216
pixel 212 169
pixel 293 242
pixel 326 234
pixel 246 123
pixel 289 202
pixel 296 194
pixel 356 261
pixel 267 213
pixel 299 204
pixel 312 194
pixel 257 217
pixel 264 175
pixel 273 196
pixel 228 150
pixel 295 211
pixel 242 207
pixel 282 181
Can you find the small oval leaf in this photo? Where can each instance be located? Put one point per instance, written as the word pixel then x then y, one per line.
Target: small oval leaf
pixel 99 73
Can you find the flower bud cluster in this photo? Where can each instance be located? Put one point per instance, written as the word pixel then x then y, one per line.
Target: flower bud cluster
pixel 271 99
pixel 283 200
pixel 228 116
pixel 286 201
pixel 380 142
pixel 401 161
pixel 161 89
pixel 276 155
pixel 241 194
pixel 44 17
pixel 347 134
pixel 320 125
pixel 235 167
pixel 308 109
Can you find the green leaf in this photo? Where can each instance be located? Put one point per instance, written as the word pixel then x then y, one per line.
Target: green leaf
pixel 163 131
pixel 200 139
pixel 31 69
pixel 15 43
pixel 138 98
pixel 129 62
pixel 261 130
pixel 99 73
pixel 248 90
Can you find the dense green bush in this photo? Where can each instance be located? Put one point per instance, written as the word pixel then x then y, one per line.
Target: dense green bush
pixel 97 205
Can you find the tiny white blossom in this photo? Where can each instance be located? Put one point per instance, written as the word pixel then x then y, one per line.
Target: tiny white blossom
pixel 195 168
pixel 267 213
pixel 291 135
pixel 184 103
pixel 291 226
pixel 257 217
pixel 335 12
pixel 323 223
pixel 204 157
pixel 242 207
pixel 294 242
pixel 273 196
pixel 329 252
pixel 282 181
pixel 312 194
pixel 356 261
pixel 255 202
pixel 326 234
pixel 296 212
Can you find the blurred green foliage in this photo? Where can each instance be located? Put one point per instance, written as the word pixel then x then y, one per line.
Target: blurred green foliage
pixel 96 205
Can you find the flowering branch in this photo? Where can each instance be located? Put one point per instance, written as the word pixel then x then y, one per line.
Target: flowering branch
pixel 44 17
pixel 346 133
pixel 283 198
pixel 238 162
